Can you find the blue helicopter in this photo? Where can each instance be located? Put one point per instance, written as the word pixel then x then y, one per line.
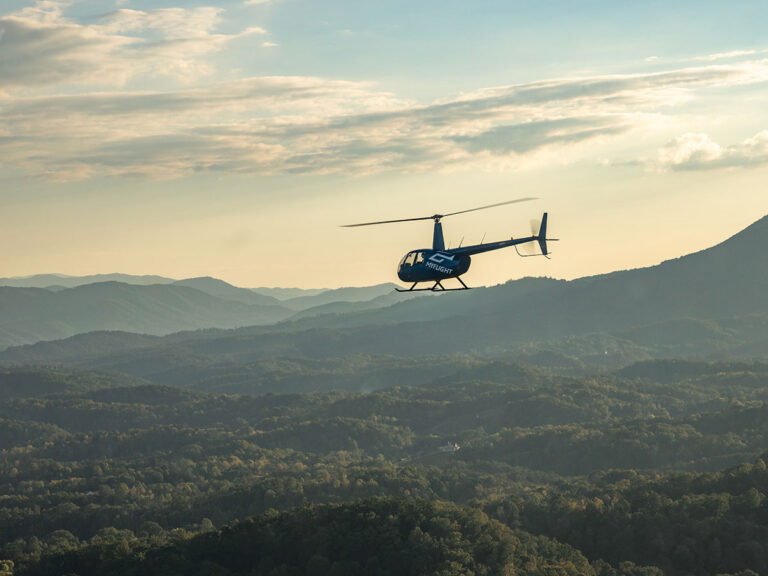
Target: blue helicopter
pixel 438 263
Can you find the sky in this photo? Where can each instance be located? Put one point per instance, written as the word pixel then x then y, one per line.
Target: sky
pixel 233 139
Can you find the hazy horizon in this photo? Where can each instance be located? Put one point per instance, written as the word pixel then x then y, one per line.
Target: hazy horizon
pixel 358 285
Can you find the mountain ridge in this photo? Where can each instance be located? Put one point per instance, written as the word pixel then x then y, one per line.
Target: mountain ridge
pixel 34 314
pixel 67 281
pixel 697 286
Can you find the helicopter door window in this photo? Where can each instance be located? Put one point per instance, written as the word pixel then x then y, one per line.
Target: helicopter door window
pixel 419 257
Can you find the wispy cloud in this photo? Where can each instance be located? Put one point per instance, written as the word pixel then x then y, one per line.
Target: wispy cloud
pixel 171 23
pixel 727 55
pixel 40 46
pixel 699 152
pixel 302 124
pixel 530 136
pixel 714 57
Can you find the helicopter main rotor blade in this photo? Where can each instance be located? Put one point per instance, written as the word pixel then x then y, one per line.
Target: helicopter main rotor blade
pixel 437 217
pixel 489 206
pixel 387 222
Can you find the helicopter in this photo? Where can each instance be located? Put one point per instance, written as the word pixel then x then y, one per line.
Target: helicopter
pixel 440 263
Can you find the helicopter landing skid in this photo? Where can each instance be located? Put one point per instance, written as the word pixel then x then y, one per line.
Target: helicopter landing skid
pixel 436 287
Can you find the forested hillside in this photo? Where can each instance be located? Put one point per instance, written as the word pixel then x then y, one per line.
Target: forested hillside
pixel 379 537
pixel 96 472
pixel 32 314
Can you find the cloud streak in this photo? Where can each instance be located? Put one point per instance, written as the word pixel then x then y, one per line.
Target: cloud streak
pixel 728 55
pixel 530 136
pixel 293 124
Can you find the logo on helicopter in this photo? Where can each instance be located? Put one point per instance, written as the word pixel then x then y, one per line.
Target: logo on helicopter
pixel 435 262
pixel 440 258
pixel 438 268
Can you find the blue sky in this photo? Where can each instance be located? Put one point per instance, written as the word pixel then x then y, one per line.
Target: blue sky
pixel 231 139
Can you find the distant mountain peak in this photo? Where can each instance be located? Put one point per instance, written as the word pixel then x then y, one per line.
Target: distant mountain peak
pixel 203 280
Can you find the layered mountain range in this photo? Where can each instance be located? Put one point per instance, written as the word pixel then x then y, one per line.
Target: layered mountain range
pixel 713 303
pixel 118 302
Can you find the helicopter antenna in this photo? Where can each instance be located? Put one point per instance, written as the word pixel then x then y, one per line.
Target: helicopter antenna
pixel 438 217
pixel 461 241
pixel 483 240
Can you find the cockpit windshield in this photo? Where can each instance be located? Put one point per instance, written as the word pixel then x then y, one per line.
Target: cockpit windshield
pixel 411 258
pixel 416 257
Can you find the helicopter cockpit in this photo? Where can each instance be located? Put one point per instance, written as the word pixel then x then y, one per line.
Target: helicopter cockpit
pixel 414 257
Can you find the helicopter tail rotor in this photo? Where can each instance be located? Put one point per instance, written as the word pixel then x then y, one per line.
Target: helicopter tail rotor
pixel 530 248
pixel 541 237
pixel 538 234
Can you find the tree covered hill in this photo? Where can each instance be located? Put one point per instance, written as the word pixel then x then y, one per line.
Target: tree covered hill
pixel 32 314
pixel 99 474
pixel 380 537
pixel 267 359
pixel 707 523
pixel 29 314
pixel 225 291
pixel 36 382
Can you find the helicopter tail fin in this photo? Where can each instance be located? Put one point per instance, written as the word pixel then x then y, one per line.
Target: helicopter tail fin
pixel 542 235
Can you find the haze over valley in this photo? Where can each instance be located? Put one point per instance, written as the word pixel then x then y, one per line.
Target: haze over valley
pixel 706 305
pixel 532 412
